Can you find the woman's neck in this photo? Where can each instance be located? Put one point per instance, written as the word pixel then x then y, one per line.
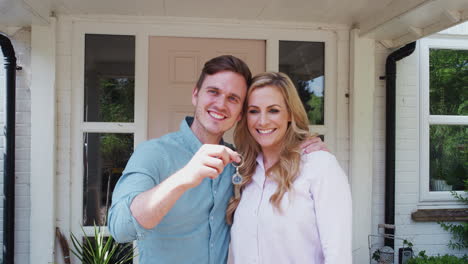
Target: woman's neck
pixel 270 157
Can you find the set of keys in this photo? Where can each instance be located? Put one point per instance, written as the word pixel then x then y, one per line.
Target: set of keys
pixel 237 179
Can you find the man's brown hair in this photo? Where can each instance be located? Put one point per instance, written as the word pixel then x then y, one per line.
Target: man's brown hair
pixel 225 63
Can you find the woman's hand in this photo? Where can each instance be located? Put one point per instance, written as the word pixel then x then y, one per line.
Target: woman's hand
pixel 313 144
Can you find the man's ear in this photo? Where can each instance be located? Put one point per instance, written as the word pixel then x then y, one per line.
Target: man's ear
pixel 195 95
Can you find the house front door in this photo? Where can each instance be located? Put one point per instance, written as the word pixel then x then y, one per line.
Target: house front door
pixel 175 64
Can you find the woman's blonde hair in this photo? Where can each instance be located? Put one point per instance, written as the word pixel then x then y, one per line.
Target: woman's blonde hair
pixel 285 171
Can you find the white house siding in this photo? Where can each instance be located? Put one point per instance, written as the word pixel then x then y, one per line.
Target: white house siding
pixel 21 40
pixel 428 236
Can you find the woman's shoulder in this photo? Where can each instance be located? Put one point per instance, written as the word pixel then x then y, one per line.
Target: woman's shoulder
pixel 318 157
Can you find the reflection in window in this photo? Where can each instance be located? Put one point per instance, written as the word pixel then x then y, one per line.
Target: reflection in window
pixel 109 78
pixel 448 166
pixel 104 158
pixel 448 76
pixel 304 63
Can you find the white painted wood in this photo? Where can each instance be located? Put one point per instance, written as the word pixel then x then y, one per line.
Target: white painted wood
pixel 405 21
pixel 362 85
pixel 447 120
pixel 102 127
pixel 76 157
pixel 444 42
pixel 141 88
pixel 43 143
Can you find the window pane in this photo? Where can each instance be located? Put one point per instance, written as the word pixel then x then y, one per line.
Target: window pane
pixel 448 75
pixel 104 158
pixel 448 157
pixel 304 62
pixel 109 78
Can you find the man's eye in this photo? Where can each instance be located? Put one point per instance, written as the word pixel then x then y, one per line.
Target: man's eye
pixel 233 99
pixel 213 91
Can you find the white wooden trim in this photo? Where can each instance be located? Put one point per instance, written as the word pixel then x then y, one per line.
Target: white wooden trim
pixel 42 221
pixel 141 88
pixel 98 127
pixel 447 120
pixel 76 156
pixel 362 84
pixel 425 196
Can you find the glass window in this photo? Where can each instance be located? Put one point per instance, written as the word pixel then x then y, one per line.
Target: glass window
pixel 448 78
pixel 448 157
pixel 448 96
pixel 304 62
pixel 104 158
pixel 109 78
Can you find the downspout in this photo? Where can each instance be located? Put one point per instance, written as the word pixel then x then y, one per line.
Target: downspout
pixel 390 77
pixel 9 152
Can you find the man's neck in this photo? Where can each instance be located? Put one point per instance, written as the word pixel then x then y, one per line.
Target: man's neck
pixel 203 136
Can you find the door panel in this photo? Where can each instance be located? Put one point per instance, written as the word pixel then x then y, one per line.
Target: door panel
pixel 174 66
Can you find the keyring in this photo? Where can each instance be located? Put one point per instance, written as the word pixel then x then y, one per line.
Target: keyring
pixel 237 177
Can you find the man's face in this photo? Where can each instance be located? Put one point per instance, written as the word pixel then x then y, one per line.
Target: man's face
pixel 218 105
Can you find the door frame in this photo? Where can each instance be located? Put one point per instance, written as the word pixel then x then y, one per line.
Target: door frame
pixel 142 29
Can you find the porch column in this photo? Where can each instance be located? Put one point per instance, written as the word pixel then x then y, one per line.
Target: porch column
pixel 362 84
pixel 42 221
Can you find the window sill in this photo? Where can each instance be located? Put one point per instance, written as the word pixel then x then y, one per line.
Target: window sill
pixel 435 215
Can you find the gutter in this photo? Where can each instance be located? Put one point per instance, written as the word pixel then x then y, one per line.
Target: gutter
pixel 390 84
pixel 9 151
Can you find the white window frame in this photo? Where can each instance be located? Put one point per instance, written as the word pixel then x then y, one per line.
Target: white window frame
pixel 442 42
pixel 142 30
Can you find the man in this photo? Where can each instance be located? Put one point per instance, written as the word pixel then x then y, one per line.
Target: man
pixel 173 194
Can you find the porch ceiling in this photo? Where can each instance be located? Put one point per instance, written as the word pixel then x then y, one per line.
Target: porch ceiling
pixel 394 22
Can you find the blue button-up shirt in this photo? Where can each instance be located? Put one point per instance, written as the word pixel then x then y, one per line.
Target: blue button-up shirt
pixel 194 230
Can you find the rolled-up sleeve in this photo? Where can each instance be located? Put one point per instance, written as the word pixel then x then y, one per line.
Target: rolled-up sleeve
pixel 332 196
pixel 139 176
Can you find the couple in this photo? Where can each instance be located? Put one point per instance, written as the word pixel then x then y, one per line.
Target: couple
pixel 176 196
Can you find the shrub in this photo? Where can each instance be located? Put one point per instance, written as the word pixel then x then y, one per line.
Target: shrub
pixel 422 258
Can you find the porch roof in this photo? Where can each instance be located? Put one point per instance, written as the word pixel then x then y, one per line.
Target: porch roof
pixel 393 22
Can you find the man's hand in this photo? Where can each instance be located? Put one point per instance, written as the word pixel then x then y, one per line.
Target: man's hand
pixel 313 144
pixel 208 162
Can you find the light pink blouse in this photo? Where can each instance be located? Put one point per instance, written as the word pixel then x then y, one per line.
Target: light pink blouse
pixel 315 226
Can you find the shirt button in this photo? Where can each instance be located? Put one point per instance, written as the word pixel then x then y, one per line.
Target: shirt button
pixel 211 245
pixel 214 192
pixel 211 218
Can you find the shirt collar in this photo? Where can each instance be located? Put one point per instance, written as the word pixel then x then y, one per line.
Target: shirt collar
pixel 259 174
pixel 188 137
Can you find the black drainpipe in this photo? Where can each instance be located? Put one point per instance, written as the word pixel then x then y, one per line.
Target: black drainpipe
pixel 390 77
pixel 9 154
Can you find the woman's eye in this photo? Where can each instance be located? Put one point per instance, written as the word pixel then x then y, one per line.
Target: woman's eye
pixel 274 111
pixel 253 111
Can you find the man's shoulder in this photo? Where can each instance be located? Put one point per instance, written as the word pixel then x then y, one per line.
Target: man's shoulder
pixel 159 144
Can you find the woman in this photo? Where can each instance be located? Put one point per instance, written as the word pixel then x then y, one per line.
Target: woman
pixel 293 208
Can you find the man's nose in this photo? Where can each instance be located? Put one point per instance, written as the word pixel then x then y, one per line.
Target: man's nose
pixel 221 102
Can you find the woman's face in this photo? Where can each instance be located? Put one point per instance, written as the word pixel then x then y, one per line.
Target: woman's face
pixel 267 117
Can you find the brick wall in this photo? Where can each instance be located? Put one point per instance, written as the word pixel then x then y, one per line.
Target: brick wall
pixel 21 40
